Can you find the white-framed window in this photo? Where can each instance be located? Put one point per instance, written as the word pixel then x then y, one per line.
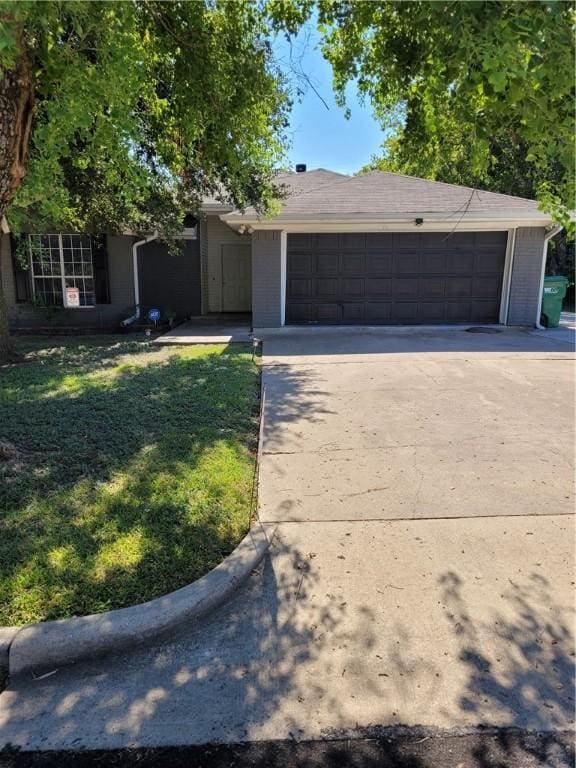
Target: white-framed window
pixel 62 270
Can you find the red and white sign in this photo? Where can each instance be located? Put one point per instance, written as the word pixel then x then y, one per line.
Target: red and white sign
pixel 72 297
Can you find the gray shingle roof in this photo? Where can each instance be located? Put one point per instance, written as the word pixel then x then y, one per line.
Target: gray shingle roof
pixel 292 182
pixel 324 194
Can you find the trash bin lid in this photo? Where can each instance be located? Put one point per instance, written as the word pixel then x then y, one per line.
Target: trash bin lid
pixel 556 279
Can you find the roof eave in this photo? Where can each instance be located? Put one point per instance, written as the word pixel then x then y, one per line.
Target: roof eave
pixel 358 221
pixel 213 207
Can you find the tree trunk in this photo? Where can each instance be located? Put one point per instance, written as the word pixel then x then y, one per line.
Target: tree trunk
pixel 16 110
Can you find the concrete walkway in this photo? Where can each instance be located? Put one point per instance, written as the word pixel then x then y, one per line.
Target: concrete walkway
pixel 197 333
pixel 422 571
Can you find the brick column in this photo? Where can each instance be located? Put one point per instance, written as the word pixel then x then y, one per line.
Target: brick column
pixel 526 272
pixel 268 278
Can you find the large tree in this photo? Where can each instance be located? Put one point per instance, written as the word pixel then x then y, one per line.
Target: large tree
pixel 481 67
pixel 123 115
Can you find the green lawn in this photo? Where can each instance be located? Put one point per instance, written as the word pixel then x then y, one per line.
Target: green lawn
pixel 125 470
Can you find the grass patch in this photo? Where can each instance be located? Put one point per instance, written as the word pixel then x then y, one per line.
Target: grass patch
pixel 125 470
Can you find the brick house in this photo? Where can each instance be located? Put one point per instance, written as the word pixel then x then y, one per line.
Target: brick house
pixel 372 249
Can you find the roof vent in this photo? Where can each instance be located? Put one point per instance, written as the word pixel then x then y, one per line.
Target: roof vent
pixel 300 167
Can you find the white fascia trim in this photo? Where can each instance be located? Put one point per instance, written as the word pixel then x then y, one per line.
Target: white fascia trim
pixel 552 232
pixel 396 225
pixel 222 208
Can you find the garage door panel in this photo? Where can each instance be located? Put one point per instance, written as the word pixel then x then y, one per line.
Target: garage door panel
pixel 300 263
pixel 380 241
pixel 494 239
pixel 460 262
pixel 406 312
pixel 353 312
pixel 487 287
pixel 404 240
pixel 431 312
pixel 482 311
pixel 298 313
pixel 379 312
pixel 352 287
pixel 328 242
pixel 301 241
pixel 378 286
pixel 459 240
pixel 379 263
pixel 432 262
pixel 328 313
pixel 458 311
pixel 395 278
pixel 300 288
pixel 353 263
pixel 435 240
pixel 327 264
pixel 326 287
pixel 353 241
pixel 431 287
pixel 405 287
pixel 407 263
pixel 458 287
pixel 489 261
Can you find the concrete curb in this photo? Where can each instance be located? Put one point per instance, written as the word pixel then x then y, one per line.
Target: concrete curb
pixel 7 635
pixel 52 644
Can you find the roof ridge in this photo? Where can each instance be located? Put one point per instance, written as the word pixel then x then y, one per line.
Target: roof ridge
pixel 291 172
pixel 444 184
pixel 328 185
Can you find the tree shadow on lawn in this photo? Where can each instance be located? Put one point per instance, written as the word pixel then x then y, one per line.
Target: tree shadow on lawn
pixel 134 475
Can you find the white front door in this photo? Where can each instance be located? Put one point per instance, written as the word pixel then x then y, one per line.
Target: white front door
pixel 236 278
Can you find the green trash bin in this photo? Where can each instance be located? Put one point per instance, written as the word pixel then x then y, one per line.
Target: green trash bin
pixel 554 291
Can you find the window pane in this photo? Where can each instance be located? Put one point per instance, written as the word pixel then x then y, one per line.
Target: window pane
pixel 45 255
pixel 48 292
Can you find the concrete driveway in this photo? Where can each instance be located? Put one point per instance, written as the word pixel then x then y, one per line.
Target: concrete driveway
pixel 422 571
pixel 388 426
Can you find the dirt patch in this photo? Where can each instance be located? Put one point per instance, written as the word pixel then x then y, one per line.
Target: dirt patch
pixel 12 459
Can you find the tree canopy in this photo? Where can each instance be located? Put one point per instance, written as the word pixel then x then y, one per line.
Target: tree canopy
pixel 449 76
pixel 140 108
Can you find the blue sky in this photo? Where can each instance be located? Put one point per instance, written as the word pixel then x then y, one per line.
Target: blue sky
pixel 324 138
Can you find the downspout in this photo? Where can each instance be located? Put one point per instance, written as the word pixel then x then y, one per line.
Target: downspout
pixel 135 246
pixel 547 237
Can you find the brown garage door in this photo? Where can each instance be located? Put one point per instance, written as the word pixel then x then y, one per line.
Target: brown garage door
pixel 395 278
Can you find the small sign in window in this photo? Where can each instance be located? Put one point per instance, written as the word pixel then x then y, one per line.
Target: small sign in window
pixel 72 297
